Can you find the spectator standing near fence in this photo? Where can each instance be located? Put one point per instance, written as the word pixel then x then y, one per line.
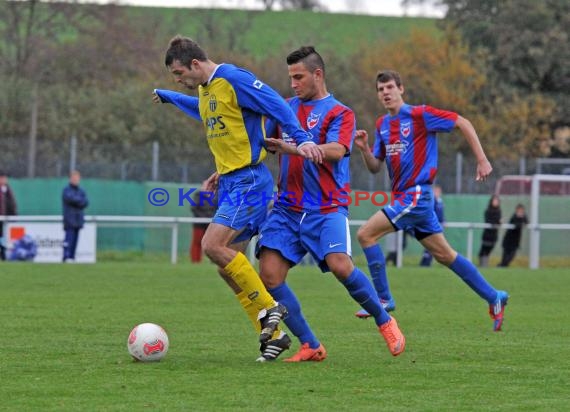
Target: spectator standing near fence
pixel 7 208
pixel 74 201
pixel 490 234
pixel 512 238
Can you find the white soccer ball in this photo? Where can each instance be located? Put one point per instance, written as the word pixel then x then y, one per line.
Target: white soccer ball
pixel 148 342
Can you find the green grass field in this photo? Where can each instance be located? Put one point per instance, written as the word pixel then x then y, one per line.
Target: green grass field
pixel 65 329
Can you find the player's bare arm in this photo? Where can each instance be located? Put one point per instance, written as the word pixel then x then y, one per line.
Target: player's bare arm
pixel 333 151
pixel 311 151
pixel 329 151
pixel 372 163
pixel 280 146
pixel 484 167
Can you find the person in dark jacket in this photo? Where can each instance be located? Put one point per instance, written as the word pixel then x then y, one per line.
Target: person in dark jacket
pixel 512 238
pixel 490 235
pixel 74 203
pixel 7 208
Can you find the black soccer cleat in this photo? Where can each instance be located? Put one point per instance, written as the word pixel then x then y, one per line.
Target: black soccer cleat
pixel 273 348
pixel 269 319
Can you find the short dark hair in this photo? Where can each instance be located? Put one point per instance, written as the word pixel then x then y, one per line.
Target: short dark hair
pixel 184 49
pixel 308 56
pixel 385 76
pixel 3 173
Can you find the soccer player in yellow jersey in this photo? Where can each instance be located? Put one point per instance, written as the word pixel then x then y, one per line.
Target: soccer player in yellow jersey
pixel 233 105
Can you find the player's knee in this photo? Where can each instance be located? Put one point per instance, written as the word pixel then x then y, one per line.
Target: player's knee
pixel 270 282
pixel 363 237
pixel 341 266
pixel 444 257
pixel 210 248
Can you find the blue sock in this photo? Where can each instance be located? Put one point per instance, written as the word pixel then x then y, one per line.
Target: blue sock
pixel 363 292
pixel 474 279
pixel 377 267
pixel 294 319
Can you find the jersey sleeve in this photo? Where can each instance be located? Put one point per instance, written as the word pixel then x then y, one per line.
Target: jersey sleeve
pixel 271 128
pixel 437 120
pixel 258 97
pixel 341 128
pixel 188 104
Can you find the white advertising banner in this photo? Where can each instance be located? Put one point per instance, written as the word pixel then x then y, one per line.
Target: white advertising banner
pixel 49 240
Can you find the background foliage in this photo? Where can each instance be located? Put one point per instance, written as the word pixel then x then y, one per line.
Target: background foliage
pixel 91 69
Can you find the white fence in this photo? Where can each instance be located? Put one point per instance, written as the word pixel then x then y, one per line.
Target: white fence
pixel 174 222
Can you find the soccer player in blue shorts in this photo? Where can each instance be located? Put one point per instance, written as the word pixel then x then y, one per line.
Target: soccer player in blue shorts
pixel 233 105
pixel 310 214
pixel 406 140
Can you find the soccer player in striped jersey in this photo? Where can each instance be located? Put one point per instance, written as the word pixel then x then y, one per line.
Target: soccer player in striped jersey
pixel 233 105
pixel 310 214
pixel 406 140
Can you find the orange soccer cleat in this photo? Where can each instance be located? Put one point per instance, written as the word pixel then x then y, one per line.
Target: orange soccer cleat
pixel 393 336
pixel 308 354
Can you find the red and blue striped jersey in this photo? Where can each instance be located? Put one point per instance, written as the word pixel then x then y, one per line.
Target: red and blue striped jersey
pixel 304 185
pixel 408 143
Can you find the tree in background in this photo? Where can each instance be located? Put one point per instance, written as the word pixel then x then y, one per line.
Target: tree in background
pixel 525 45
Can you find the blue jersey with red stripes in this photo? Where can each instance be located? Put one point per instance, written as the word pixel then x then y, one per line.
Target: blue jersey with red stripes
pixel 304 185
pixel 407 141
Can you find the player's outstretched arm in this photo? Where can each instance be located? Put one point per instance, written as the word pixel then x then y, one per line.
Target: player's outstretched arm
pixel 372 163
pixel 484 167
pixel 188 104
pixel 333 151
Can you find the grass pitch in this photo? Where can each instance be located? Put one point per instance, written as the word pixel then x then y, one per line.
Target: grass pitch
pixel 65 329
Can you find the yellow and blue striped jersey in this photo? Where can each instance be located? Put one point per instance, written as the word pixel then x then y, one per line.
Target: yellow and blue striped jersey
pixel 233 107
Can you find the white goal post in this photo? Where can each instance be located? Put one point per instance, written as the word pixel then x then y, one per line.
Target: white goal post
pixel 536 180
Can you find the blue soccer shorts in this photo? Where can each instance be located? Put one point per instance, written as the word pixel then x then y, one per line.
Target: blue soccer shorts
pixel 293 234
pixel 243 198
pixel 413 212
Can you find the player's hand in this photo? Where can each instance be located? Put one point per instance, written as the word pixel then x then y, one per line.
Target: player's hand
pixel 211 183
pixel 361 140
pixel 484 169
pixel 275 145
pixel 155 97
pixel 312 152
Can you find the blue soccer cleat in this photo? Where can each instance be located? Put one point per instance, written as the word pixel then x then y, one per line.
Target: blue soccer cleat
pixel 497 309
pixel 388 305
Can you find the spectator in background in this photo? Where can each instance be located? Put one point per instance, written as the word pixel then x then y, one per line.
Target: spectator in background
pixel 74 203
pixel 427 258
pixel 490 235
pixel 205 204
pixel 7 208
pixel 512 239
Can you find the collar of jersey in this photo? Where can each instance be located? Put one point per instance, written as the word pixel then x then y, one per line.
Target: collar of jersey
pixel 213 74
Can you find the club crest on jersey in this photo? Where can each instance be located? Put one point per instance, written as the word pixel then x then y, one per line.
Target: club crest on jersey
pixel 213 103
pixel 313 120
pixel 405 129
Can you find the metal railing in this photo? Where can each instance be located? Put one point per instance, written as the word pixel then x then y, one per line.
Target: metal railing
pixel 174 222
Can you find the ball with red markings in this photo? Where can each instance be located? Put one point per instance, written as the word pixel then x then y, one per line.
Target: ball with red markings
pixel 148 342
